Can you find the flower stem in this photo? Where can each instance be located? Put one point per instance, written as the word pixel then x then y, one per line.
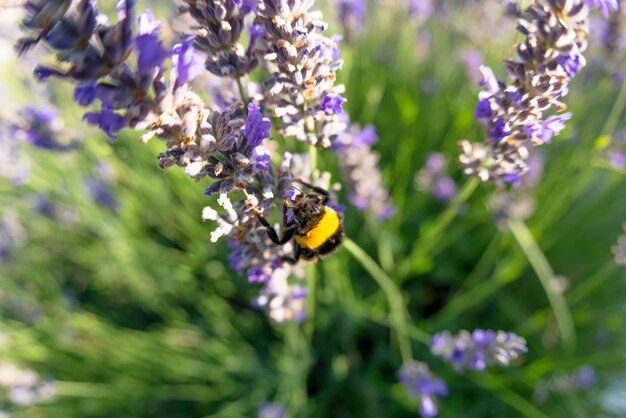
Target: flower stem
pixel 431 236
pixel 312 159
pixel 616 111
pixel 311 272
pixel 242 94
pixel 394 297
pixel 311 284
pixel 540 264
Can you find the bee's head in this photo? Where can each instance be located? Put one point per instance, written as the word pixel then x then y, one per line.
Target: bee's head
pixel 307 208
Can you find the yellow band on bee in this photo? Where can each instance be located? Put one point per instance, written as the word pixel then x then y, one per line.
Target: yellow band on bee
pixel 324 229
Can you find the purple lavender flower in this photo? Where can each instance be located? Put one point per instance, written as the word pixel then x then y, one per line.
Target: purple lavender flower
pixel 434 179
pixel 332 104
pixel 271 410
pixel 359 169
pixel 42 16
pixel 109 121
pixel 421 384
pixel 99 187
pixel 478 349
pixel 352 15
pixel 515 113
pixel 604 5
pixel 42 128
pixel 420 9
pixel 151 52
pixel 25 388
pixel 187 63
pixel 225 146
pixel 85 94
pixel 473 61
pixel 303 63
pixel 220 26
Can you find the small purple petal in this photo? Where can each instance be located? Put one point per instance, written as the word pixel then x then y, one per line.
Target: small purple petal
pixel 187 62
pixel 483 109
pixel 332 104
pixel 85 94
pixel 109 121
pixel 257 127
pixel 489 80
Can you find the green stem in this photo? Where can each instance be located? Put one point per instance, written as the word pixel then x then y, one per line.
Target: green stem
pixel 394 297
pixel 242 93
pixel 616 111
pixel 311 283
pixel 514 400
pixel 311 272
pixel 432 235
pixel 592 283
pixel 378 317
pixel 540 264
pixel 82 389
pixel 312 159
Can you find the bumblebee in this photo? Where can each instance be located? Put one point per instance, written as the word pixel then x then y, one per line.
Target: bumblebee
pixel 317 229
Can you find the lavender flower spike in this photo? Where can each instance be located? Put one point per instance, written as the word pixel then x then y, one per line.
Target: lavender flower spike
pixel 479 349
pixel 360 171
pixel 421 384
pixel 302 62
pixel 515 114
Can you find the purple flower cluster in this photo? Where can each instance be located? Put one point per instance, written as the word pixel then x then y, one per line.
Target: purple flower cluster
pixel 352 15
pixel 434 179
pixel 220 25
pixel 25 387
pixel 422 385
pixel 43 128
pixel 515 114
pixel 302 63
pixel 271 410
pixel 359 169
pixel 478 349
pixel 141 84
pixel 517 202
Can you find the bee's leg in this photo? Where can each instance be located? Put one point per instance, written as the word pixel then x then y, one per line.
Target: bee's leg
pixel 271 232
pixel 285 207
pixel 292 260
pixel 316 189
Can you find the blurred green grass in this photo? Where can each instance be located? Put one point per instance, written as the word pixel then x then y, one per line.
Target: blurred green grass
pixel 135 313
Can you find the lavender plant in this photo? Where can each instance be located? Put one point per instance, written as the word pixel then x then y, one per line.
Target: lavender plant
pixel 229 139
pixel 517 114
pixel 226 145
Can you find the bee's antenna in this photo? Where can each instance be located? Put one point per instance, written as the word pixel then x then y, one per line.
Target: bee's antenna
pixel 298 189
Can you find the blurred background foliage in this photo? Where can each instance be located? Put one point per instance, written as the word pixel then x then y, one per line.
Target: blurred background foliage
pixel 110 286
